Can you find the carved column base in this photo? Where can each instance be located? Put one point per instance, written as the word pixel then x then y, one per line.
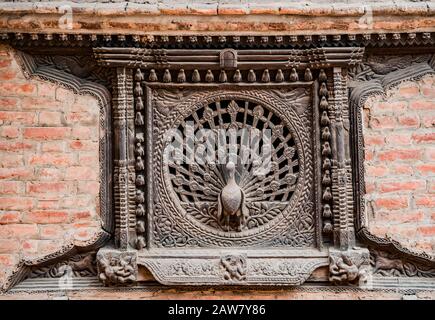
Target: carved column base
pixel 117 268
pixel 350 267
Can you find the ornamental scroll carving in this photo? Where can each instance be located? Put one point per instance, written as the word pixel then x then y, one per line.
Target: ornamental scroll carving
pixel 213 199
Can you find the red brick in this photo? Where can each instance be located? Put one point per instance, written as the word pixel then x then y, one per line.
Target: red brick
pixel 47 90
pixel 374 140
pixel 81 216
pixel 81 173
pixel 427 230
pixel 400 154
pixel 5 63
pixel 88 159
pixel 16 89
pixel 84 103
pixel 385 122
pixel 7 75
pixel 397 186
pixel 47 133
pixel 9 160
pixel 8 103
pixel 15 203
pixel 15 146
pixel 11 187
pixel 47 187
pixel 46 217
pixel 8 260
pixel 422 105
pixel 409 121
pixel 395 106
pixel 8 217
pixel 30 246
pixel 53 146
pixel 88 187
pixel 399 139
pixel 392 203
pixel 426 169
pixel 18 117
pixel 48 246
pixel 19 231
pixel 58 160
pixel 65 95
pixel 402 169
pixel 9 132
pixel 84 133
pixel 370 187
pixel 16 173
pixel 51 232
pixel 424 137
pixel 48 204
pixel 424 246
pixel 369 155
pixel 76 201
pixel 83 118
pixel 83 145
pixel 400 217
pixel 50 118
pixel 50 174
pixel 425 200
pixel 428 121
pixel 40 103
pixel 231 11
pixel 376 171
pixel 430 153
pixel 9 246
pixel 428 91
pixel 408 91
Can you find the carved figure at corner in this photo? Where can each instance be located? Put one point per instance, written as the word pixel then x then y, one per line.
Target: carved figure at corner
pixel 117 270
pixel 342 270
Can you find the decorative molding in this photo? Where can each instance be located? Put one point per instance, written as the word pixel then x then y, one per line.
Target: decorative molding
pixel 369 39
pixel 32 69
pixel 232 267
pixel 25 266
pixel 389 264
pixel 373 77
pixel 65 73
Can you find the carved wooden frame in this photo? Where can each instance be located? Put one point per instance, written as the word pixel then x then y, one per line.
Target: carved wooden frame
pixel 359 93
pixel 123 120
pixel 80 86
pixel 332 160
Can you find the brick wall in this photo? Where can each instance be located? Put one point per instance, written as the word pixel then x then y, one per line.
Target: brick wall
pixel 49 164
pixel 400 163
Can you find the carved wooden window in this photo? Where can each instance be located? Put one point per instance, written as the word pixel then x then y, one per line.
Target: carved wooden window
pixel 227 221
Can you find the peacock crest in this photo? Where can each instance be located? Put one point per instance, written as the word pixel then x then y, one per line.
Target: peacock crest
pixel 227 175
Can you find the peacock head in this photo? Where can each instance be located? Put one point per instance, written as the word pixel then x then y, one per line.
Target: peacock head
pixel 231 168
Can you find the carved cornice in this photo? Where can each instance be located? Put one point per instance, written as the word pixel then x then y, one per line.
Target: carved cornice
pixel 314 58
pixel 83 40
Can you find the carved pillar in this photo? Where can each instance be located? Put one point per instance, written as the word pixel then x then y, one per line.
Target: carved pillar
pixel 124 174
pixel 342 197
